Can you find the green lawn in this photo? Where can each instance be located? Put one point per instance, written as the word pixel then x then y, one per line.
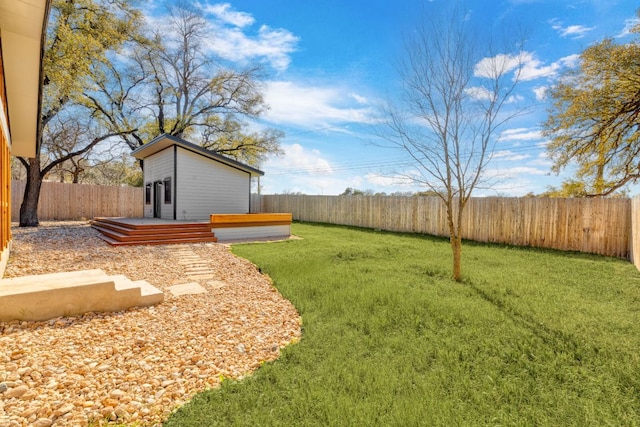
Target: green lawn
pixel 531 337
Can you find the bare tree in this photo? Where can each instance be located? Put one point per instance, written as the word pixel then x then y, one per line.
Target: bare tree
pixel 454 99
pixel 174 85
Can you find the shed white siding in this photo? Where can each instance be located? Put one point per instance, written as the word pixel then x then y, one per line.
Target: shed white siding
pixel 158 167
pixel 205 187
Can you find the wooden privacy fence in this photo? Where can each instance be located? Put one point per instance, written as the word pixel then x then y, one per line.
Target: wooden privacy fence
pixel 634 240
pixel 601 226
pixel 62 201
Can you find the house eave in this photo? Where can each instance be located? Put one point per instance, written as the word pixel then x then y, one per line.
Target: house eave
pixel 164 141
pixel 22 31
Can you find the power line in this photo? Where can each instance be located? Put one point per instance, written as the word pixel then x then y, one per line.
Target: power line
pixel 373 164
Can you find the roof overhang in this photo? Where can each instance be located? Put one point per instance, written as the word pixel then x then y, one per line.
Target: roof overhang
pixel 22 31
pixel 165 141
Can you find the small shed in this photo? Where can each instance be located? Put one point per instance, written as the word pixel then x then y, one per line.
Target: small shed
pixel 184 181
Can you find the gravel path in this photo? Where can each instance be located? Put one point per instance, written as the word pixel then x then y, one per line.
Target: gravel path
pixel 138 365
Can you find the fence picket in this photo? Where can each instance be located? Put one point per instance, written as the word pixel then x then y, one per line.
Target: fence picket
pixel 62 201
pixel 601 226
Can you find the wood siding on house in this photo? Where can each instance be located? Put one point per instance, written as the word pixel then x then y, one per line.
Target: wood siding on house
pixel 204 187
pixel 5 176
pixel 158 167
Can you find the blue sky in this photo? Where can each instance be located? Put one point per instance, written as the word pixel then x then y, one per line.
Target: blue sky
pixel 329 65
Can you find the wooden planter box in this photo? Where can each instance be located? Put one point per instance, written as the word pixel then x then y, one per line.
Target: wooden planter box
pixel 252 226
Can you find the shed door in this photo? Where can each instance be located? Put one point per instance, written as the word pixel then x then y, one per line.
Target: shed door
pixel 157 199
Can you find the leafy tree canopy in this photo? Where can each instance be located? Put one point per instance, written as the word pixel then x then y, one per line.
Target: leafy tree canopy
pixel 593 120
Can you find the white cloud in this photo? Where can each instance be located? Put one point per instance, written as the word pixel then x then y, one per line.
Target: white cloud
pixel 298 160
pixel 269 45
pixel 628 25
pixel 543 160
pixel 572 31
pixel 575 31
pixel 308 171
pixel 235 37
pixel 508 155
pixel 512 181
pixel 496 66
pixel 313 106
pixel 513 188
pixel 534 69
pixel 223 12
pixel 480 93
pixel 378 180
pixel 514 99
pixel 540 92
pixel 359 98
pixel 515 172
pixel 519 134
pixel 525 170
pixel 531 67
pixel 570 61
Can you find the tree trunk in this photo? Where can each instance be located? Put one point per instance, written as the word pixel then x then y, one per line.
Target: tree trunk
pixel 456 249
pixel 29 206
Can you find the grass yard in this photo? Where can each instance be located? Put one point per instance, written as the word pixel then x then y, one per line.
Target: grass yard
pixel 531 337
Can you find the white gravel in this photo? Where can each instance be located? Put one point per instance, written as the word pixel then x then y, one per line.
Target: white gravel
pixel 135 366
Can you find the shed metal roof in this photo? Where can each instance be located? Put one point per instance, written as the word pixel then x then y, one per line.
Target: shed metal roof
pixel 163 141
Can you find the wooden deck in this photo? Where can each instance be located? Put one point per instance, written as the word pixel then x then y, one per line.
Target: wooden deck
pixel 226 227
pixel 152 231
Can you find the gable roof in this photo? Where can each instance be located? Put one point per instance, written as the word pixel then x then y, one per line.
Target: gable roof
pixel 22 27
pixel 164 141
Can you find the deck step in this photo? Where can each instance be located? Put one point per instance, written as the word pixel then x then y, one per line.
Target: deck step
pixel 147 230
pixel 115 242
pixel 165 235
pixel 118 233
pixel 46 296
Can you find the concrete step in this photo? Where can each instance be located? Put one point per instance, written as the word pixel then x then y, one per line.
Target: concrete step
pixel 43 297
pixel 147 293
pixel 49 281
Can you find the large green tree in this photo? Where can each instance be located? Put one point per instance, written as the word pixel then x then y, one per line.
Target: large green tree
pixel 79 36
pixel 168 82
pixel 594 118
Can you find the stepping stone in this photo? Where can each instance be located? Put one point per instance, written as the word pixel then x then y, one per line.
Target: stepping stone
pixel 186 289
pixel 199 270
pixel 216 284
pixel 189 260
pixel 200 276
